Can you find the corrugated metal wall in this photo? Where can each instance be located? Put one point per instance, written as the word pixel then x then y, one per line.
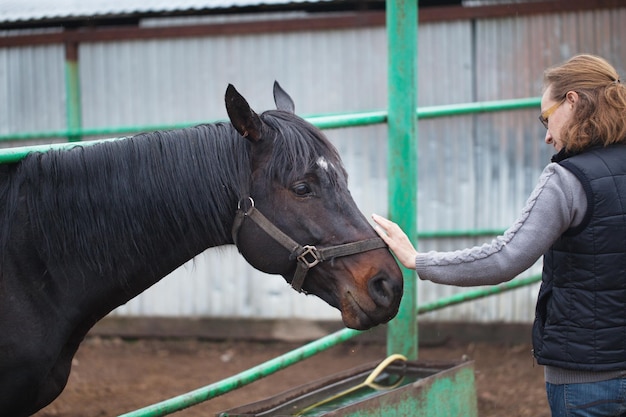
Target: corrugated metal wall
pixel 32 89
pixel 475 172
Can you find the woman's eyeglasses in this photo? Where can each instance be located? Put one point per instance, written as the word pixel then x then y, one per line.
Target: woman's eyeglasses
pixel 543 117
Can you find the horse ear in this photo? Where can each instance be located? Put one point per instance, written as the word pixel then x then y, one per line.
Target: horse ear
pixel 244 119
pixel 282 99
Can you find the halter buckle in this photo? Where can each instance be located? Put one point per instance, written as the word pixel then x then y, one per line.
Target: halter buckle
pixel 309 256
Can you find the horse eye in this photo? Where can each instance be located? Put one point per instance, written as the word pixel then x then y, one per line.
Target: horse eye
pixel 301 189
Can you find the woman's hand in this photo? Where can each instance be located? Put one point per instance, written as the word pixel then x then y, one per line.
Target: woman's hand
pixel 396 239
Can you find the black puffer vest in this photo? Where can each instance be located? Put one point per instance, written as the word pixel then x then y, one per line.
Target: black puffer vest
pixel 580 320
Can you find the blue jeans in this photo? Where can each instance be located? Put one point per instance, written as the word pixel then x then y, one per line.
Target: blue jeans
pixel 594 399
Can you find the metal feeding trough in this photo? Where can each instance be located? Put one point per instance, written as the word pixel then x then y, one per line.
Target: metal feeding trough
pixel 393 387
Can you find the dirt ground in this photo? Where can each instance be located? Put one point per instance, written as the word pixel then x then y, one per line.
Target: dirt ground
pixel 111 376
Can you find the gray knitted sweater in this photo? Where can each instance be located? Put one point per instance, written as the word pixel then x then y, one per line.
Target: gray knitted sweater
pixel 557 203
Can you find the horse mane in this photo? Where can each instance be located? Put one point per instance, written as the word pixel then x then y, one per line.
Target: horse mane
pixel 125 199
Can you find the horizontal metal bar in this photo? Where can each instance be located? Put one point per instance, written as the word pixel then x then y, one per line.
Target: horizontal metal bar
pixel 244 378
pixel 439 234
pixel 97 131
pixel 330 121
pixel 477 107
pixel 477 294
pixel 9 155
pixel 334 121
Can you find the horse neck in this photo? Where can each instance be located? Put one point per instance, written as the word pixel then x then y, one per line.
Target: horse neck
pixel 203 172
pixel 150 202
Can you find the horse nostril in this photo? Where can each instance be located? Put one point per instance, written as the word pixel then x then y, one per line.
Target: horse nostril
pixel 383 291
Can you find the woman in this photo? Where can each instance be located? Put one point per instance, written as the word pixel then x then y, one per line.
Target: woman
pixel 576 219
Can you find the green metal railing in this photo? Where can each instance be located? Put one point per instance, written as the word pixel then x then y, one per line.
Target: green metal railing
pixel 333 121
pixel 330 121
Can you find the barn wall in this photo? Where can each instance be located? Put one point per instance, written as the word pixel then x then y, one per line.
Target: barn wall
pixel 32 89
pixel 474 172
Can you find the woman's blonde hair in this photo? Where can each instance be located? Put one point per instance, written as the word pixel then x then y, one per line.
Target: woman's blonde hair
pixel 600 114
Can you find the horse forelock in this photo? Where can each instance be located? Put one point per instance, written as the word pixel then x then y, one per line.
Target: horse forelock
pixel 299 145
pixel 133 198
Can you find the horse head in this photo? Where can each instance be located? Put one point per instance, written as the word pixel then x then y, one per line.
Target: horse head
pixel 299 220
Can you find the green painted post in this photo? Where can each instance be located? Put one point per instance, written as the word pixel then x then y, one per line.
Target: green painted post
pixel 402 158
pixel 72 93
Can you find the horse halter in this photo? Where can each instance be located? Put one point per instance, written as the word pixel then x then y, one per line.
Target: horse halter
pixel 307 256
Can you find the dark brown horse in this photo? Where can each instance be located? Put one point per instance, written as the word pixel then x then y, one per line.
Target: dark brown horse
pixel 86 229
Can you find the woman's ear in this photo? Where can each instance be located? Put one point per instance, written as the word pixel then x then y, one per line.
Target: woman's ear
pixel 571 97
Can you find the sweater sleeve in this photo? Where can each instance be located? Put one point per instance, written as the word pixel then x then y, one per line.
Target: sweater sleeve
pixel 557 203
